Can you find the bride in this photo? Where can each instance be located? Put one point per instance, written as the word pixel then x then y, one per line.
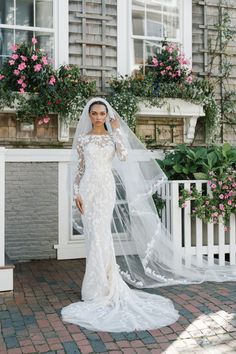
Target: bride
pixel 114 178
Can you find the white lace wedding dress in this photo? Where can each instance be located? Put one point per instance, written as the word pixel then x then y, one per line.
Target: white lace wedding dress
pixel 109 304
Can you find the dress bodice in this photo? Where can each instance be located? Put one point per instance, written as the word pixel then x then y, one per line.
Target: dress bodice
pixel 96 152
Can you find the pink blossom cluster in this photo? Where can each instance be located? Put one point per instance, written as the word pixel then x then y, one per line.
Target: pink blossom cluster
pixel 168 69
pixel 23 63
pixel 44 120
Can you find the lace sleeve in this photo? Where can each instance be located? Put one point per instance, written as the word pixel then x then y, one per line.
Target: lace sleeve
pixel 81 166
pixel 120 148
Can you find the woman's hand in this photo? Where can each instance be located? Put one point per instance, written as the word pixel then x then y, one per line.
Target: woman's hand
pixel 79 203
pixel 115 123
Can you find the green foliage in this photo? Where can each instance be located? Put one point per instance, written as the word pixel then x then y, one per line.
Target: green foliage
pixel 193 163
pixel 29 83
pixel 219 203
pixel 153 86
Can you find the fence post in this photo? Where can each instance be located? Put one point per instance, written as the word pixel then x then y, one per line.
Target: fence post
pixel 6 272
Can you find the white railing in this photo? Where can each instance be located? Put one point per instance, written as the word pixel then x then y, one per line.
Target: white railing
pixel 190 235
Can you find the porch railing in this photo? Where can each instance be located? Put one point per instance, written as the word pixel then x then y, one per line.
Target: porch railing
pixel 190 235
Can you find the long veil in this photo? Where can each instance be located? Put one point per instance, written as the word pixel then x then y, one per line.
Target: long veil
pixel 147 255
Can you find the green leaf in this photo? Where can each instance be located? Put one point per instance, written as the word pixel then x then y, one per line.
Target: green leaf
pixel 200 175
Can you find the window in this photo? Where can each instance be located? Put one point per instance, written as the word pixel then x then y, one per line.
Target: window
pixel 147 24
pixel 20 20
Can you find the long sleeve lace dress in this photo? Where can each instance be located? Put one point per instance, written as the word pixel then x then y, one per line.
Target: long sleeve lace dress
pixel 108 303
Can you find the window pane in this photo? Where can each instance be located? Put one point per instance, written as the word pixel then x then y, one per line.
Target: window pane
pixel 7 12
pixel 46 42
pixel 138 18
pixel 6 40
pixel 154 24
pixel 44 13
pixel 138 51
pixel 171 19
pixel 25 12
pixel 151 48
pixel 24 36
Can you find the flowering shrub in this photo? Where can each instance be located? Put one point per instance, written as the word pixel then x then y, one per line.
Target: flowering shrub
pixel 165 75
pixel 168 66
pixel 29 70
pixel 217 205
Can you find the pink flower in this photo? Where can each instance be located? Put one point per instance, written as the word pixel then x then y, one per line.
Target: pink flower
pixel 40 122
pixel 178 73
pixel 34 40
pixel 2 76
pixel 221 206
pixel 163 72
pixel 155 61
pixel 46 119
pixel 11 62
pixel 189 79
pixel 15 56
pixel 161 64
pixel 44 60
pixel 220 183
pixel 20 81
pixel 221 196
pixel 14 47
pixel 16 72
pixel 24 58
pixel 21 66
pixel 34 57
pixel 207 202
pixel 21 90
pixel 213 186
pixel 169 49
pixel 24 85
pixel 52 80
pixel 170 57
pixel 169 68
pixel 37 67
pixel 184 205
pixel 229 202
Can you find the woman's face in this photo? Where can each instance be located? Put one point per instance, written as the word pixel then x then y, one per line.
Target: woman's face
pixel 98 115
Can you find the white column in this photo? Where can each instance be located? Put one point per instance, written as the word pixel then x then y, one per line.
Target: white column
pixel 6 272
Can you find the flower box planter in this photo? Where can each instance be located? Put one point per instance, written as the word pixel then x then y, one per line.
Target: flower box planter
pixel 29 128
pixel 172 108
pixel 190 235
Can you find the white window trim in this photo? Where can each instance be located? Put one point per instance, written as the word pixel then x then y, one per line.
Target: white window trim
pixel 61 45
pixel 124 34
pixel 60 29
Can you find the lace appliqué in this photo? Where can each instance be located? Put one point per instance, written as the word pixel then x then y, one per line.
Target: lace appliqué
pixel 120 148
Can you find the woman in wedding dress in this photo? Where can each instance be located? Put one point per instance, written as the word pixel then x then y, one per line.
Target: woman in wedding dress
pixel 114 178
pixel 109 304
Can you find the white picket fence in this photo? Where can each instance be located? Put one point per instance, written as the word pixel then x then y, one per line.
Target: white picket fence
pixel 190 235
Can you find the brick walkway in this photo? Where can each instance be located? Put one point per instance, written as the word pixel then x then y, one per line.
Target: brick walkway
pixel 30 318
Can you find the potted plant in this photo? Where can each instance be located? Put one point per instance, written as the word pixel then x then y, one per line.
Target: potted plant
pixel 31 86
pixel 165 75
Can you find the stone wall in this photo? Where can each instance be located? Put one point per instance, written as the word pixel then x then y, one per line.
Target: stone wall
pixel 31 210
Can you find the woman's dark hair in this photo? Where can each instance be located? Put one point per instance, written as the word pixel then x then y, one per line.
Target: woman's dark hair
pixel 97 102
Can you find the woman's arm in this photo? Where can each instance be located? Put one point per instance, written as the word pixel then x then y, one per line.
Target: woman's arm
pixel 118 139
pixel 80 172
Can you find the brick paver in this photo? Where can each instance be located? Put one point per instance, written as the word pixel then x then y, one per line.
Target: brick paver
pixel 30 319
